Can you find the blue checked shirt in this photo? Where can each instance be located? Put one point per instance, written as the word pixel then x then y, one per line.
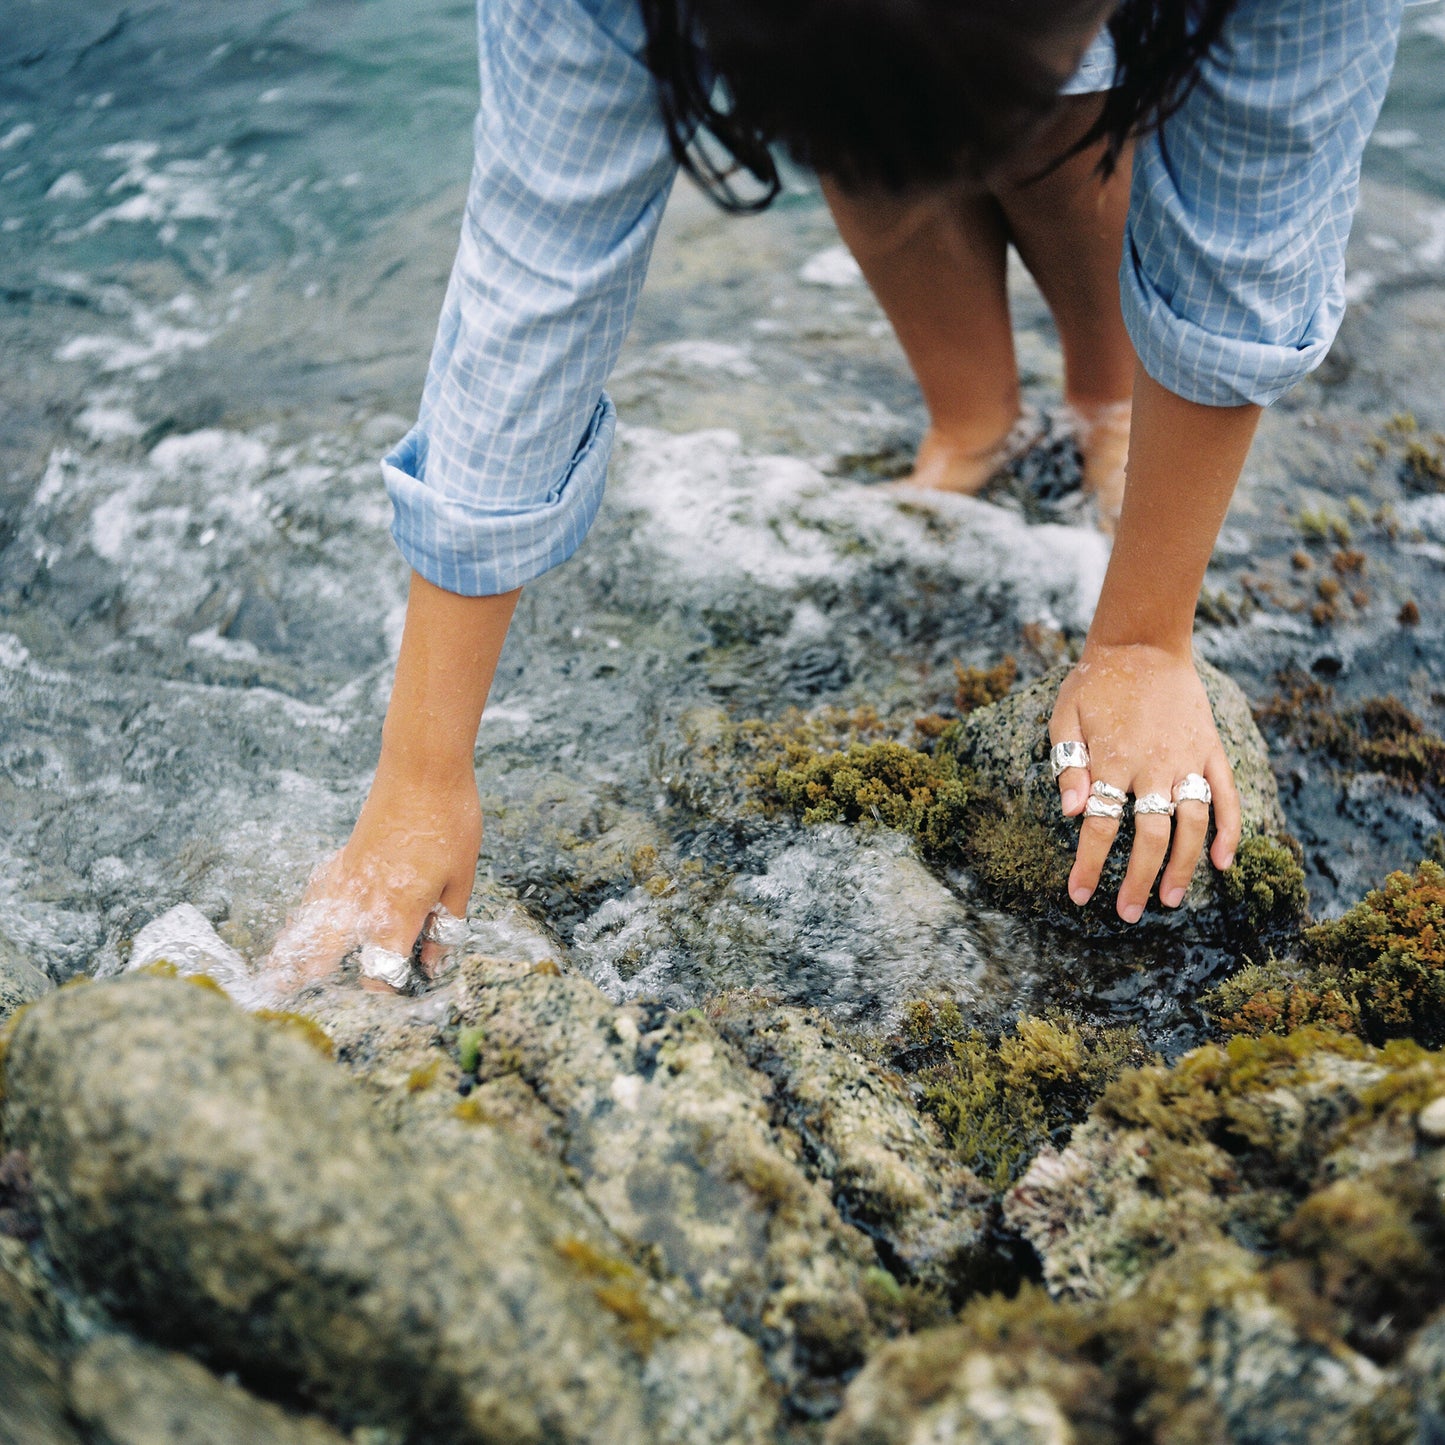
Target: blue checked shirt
pixel 1232 282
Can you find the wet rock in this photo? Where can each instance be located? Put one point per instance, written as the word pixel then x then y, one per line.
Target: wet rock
pixel 947 1387
pixel 1431 1121
pixel 20 983
pixel 890 1173
pixel 1007 746
pixel 219 1183
pixel 1302 1149
pixel 1202 1353
pixel 130 1394
pixel 669 1134
pixel 1425 1379
pixel 32 1379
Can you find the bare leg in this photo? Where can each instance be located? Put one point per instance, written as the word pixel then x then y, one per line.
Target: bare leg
pixel 937 266
pixel 1069 229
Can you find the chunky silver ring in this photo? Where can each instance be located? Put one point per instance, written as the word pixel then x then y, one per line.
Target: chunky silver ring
pixel 1109 793
pixel 445 928
pixel 1103 808
pixel 386 964
pixel 1153 803
pixel 1063 756
pixel 1193 788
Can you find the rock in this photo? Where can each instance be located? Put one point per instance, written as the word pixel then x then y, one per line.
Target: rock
pixel 32 1377
pixel 1202 1353
pixel 20 983
pixel 217 1182
pixel 1299 1156
pixel 130 1394
pixel 945 1387
pixel 1431 1121
pixel 890 1173
pixel 1425 1380
pixel 669 1135
pixel 1007 745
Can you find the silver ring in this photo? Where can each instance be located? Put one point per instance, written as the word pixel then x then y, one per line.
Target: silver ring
pixel 1063 756
pixel 386 964
pixel 1109 793
pixel 1193 789
pixel 1103 808
pixel 1154 803
pixel 443 927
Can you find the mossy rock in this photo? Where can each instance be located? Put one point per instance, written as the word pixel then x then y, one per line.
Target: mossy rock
pixel 1023 847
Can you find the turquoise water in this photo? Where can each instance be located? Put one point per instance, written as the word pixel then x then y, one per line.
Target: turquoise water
pixel 224 233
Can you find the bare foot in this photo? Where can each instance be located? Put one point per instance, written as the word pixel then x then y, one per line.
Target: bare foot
pixel 1101 429
pixel 944 464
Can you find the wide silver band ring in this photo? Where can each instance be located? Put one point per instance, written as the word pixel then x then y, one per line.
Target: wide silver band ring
pixel 386 964
pixel 1063 756
pixel 1103 808
pixel 1153 803
pixel 1193 788
pixel 1109 793
pixel 443 927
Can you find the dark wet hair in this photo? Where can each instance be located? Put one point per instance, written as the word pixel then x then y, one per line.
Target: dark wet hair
pixel 899 92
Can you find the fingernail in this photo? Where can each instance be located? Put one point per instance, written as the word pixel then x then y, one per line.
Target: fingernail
pixel 1132 912
pixel 1080 895
pixel 1172 897
pixel 1071 800
pixel 1227 864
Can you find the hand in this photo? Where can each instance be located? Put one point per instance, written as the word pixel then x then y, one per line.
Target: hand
pixel 1143 714
pixel 415 845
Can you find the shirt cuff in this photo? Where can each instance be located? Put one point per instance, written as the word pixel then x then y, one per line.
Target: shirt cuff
pixel 1202 366
pixel 462 547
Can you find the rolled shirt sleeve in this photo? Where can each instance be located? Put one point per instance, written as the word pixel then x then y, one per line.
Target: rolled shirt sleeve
pixel 503 473
pixel 1234 253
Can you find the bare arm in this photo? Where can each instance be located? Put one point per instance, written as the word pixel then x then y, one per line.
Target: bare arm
pixel 416 842
pixel 1135 698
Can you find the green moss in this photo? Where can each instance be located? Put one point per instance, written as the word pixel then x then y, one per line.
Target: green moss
pixel 1000 1101
pixel 1378 735
pixel 887 784
pixel 423 1076
pixel 1265 885
pixel 1017 858
pixel 1379 971
pixel 1388 954
pixel 979 686
pixel 1370 1249
pixel 469 1049
pixel 308 1030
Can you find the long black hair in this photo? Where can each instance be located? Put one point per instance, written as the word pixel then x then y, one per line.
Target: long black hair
pixel 897 93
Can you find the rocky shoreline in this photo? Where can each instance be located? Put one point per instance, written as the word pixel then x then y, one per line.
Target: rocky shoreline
pixel 514 1210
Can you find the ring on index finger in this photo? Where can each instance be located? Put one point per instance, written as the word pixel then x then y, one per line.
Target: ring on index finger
pixel 1066 755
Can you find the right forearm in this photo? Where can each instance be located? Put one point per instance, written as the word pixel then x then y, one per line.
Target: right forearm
pixel 449 652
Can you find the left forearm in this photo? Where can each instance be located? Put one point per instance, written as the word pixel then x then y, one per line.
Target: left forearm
pixel 1184 464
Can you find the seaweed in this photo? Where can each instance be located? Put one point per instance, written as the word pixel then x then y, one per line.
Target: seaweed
pixel 1266 884
pixel 1000 1100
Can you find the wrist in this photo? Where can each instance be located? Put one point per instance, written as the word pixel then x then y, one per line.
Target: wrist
pixel 421 753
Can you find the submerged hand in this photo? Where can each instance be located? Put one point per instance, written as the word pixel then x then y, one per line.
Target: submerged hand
pixel 1143 714
pixel 414 846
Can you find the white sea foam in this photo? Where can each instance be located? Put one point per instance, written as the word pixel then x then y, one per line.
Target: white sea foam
pixel 834 268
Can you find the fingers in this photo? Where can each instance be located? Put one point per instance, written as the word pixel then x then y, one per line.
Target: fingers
pixel 1227 814
pixel 455 898
pixel 1191 823
pixel 1074 783
pixel 1096 837
pixel 1151 843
